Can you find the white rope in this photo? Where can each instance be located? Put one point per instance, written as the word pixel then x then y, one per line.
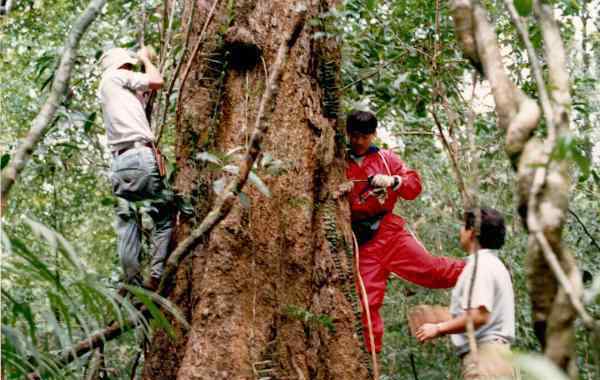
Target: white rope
pixel 387 167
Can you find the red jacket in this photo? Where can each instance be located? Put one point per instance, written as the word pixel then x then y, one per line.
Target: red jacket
pixel 373 163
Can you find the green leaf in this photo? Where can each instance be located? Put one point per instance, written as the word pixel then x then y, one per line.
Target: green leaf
pixel 89 122
pixel 152 300
pixel 523 7
pixel 252 177
pixel 107 201
pixel 184 204
pixel 35 266
pixel 47 82
pixel 266 160
pixel 62 310
pixel 571 148
pixel 260 185
pixel 24 309
pixel 56 241
pixel 371 4
pixel 4 160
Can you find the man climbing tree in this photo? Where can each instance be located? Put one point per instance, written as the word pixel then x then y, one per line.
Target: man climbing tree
pixel 137 168
pixel 378 178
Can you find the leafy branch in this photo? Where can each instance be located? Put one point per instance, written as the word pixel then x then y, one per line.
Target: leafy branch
pixel 40 124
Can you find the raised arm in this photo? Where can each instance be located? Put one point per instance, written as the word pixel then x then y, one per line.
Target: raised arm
pixel 155 78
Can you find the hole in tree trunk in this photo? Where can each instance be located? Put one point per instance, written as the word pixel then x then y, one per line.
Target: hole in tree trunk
pixel 244 54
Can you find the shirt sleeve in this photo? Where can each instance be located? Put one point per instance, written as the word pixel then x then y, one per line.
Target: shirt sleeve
pixel 483 290
pixel 411 181
pixel 131 80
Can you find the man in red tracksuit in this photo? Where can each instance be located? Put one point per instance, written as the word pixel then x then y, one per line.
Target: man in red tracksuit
pixel 379 177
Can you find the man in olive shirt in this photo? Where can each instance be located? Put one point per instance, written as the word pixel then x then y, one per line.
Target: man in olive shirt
pixel 492 304
pixel 136 175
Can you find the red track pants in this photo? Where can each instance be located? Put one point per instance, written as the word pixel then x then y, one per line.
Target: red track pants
pixel 395 250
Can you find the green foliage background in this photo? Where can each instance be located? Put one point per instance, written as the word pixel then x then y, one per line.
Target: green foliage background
pixel 388 66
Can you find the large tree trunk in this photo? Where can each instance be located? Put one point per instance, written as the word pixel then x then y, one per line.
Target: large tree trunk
pixel 270 293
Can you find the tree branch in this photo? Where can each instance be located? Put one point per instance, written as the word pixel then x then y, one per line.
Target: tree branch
pixel 142 26
pixel 165 48
pixel 543 184
pixel 555 55
pixel 176 74
pixel 59 86
pixel 114 330
pixel 369 75
pixel 537 71
pixel 97 340
pixel 562 278
pixel 95 365
pixel 415 133
pixel 459 178
pixel 559 70
pixel 585 229
pixel 188 66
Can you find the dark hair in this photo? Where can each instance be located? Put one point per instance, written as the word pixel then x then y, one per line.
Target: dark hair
pixel 492 231
pixel 361 121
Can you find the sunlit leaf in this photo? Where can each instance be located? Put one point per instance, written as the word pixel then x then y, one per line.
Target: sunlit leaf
pixel 371 4
pixel 146 298
pixel 523 7
pixel 233 151
pixel 260 185
pixel 36 266
pixel 219 185
pixel 266 160
pixel 209 157
pixel 252 177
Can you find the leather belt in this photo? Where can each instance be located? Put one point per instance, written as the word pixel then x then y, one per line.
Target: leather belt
pixel 135 144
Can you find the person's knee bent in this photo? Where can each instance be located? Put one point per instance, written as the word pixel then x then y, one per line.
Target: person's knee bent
pixel 130 265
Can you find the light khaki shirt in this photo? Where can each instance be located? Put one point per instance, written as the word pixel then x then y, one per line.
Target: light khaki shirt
pixel 124 116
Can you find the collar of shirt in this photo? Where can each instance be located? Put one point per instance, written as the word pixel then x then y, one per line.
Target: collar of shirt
pixel 484 251
pixel 358 159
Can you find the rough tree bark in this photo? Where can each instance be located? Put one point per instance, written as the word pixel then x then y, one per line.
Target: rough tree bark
pixel 270 293
pixel 543 182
